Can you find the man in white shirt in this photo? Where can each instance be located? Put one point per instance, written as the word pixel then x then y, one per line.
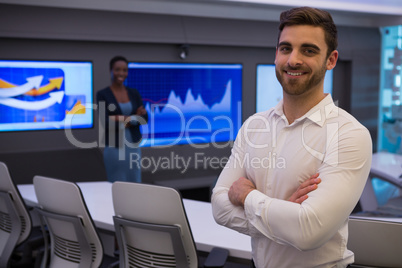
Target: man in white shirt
pixel 262 191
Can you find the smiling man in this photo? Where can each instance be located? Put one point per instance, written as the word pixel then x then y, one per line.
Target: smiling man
pixel 297 213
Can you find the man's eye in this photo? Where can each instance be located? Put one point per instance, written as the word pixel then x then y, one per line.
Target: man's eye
pixel 284 49
pixel 310 51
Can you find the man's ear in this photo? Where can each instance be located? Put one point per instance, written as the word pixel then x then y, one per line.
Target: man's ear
pixel 332 59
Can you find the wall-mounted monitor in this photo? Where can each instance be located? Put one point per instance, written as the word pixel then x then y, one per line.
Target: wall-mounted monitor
pixel 188 103
pixel 269 90
pixel 42 95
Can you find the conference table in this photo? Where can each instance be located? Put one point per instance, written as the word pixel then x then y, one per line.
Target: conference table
pixel 206 232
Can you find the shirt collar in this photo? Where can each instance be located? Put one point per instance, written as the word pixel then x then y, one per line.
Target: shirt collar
pixel 318 114
pixel 279 108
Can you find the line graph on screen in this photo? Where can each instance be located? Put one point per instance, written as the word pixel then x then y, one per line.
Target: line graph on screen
pixel 188 103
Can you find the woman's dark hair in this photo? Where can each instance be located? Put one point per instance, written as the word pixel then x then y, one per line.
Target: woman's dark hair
pixel 115 59
pixel 314 17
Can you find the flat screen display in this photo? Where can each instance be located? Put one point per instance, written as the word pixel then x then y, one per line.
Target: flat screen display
pixel 269 90
pixel 188 103
pixel 41 95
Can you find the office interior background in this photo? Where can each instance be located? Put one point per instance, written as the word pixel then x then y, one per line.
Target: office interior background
pixel 238 32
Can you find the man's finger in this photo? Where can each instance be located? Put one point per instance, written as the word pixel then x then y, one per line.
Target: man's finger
pixel 301 199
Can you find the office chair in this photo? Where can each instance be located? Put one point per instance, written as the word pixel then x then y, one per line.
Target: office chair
pixel 152 228
pixel 74 241
pixel 375 243
pixel 15 221
pixel 386 167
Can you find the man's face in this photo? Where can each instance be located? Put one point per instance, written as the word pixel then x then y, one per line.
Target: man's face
pixel 301 59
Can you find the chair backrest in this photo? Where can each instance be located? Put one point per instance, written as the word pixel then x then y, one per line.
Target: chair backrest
pixel 375 243
pixel 15 221
pixel 70 225
pixel 152 208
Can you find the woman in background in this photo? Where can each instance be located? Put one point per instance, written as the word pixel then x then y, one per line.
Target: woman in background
pixel 121 113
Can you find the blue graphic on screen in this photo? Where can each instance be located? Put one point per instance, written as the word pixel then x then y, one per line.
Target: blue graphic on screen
pixel 188 103
pixel 45 95
pixel 269 90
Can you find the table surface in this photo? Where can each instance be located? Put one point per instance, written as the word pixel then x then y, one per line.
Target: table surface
pixel 206 232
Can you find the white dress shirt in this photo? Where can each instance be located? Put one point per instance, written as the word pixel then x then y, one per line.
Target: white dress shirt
pixel 277 158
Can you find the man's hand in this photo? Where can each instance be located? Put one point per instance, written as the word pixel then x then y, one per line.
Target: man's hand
pixel 239 191
pixel 306 187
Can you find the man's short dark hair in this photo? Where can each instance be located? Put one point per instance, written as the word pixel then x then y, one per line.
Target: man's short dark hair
pixel 314 17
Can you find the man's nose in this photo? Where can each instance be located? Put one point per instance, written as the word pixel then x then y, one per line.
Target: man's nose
pixel 295 59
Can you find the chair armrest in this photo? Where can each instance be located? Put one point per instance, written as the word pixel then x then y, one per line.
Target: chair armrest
pixel 216 258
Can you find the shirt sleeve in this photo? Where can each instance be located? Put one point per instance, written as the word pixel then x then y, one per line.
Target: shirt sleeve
pixel 224 212
pixel 344 171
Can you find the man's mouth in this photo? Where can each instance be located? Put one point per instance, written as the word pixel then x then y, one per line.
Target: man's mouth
pixel 294 73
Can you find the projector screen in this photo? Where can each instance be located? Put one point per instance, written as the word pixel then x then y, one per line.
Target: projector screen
pixel 41 95
pixel 188 103
pixel 269 90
